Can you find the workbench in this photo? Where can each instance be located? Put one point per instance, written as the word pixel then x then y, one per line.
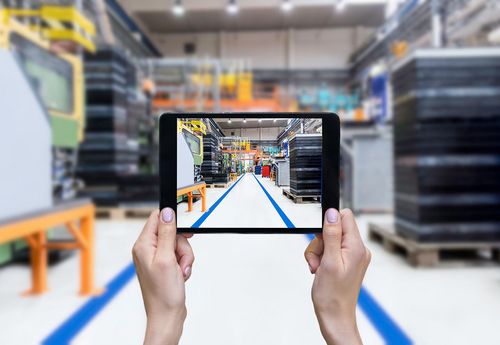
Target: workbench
pixel 201 187
pixel 78 218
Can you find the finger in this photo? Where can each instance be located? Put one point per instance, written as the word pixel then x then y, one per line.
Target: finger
pixel 351 235
pixel 148 233
pixel 332 235
pixel 167 232
pixel 313 253
pixel 187 235
pixel 186 256
pixel 145 246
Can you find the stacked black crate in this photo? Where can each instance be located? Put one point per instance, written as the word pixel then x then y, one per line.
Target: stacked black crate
pixel 212 166
pixel 305 152
pixel 447 145
pixel 110 149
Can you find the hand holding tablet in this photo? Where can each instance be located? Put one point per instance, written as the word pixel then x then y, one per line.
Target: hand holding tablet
pixel 337 257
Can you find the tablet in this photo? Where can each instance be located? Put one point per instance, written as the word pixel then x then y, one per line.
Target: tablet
pixel 249 172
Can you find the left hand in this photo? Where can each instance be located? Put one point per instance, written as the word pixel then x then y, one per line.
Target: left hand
pixel 163 262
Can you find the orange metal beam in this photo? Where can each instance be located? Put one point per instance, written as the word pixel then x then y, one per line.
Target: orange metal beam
pixel 23 228
pixel 250 152
pixel 262 104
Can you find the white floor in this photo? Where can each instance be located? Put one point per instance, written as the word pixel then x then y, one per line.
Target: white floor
pixel 255 289
pixel 246 205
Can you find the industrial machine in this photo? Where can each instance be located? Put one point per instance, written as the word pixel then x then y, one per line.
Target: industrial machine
pixel 189 151
pixel 44 129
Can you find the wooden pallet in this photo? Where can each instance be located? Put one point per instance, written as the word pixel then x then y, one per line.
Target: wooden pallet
pixel 301 199
pixel 218 185
pixel 433 254
pixel 124 212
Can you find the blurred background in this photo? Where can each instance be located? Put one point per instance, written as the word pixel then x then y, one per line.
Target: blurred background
pixel 416 84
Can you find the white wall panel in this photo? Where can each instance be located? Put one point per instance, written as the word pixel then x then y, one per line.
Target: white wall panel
pixel 296 49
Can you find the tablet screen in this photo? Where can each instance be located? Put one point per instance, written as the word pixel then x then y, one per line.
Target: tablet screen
pixel 249 172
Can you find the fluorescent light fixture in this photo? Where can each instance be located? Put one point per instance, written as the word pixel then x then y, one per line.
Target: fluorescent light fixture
pixel 286 5
pixel 340 5
pixel 232 7
pixel 178 10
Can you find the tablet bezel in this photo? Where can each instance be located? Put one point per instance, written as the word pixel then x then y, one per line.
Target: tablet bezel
pixel 330 165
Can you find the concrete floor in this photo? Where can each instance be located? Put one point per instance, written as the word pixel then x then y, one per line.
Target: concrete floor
pixel 255 289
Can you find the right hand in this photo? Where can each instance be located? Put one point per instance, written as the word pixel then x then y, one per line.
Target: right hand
pixel 339 260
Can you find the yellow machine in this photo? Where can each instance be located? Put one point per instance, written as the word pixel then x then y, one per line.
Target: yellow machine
pixel 193 131
pixel 58 77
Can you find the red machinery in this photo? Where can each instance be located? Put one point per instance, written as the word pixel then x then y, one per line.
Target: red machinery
pixel 266 171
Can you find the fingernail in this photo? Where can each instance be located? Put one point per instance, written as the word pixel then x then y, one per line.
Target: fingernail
pixel 187 270
pixel 310 269
pixel 167 214
pixel 332 215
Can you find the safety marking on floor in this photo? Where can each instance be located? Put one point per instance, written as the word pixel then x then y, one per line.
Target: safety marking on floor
pixel 79 319
pixel 380 319
pixel 383 323
pixel 282 214
pixel 205 215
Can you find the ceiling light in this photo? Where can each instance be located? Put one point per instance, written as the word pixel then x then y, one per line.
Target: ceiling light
pixel 229 121
pixel 274 120
pixel 178 9
pixel 232 7
pixel 244 120
pixel 286 5
pixel 340 5
pixel 260 120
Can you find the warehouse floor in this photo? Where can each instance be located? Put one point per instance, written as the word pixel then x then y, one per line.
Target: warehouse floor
pixel 252 290
pixel 245 203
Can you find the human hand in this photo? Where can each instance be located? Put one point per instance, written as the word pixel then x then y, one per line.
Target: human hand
pixel 339 260
pixel 163 261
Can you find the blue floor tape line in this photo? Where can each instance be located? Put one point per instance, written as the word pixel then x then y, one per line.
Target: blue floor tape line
pixel 76 322
pixel 383 323
pixel 205 215
pixel 278 209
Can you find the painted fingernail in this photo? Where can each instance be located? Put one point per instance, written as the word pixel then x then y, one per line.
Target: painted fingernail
pixel 332 215
pixel 187 271
pixel 167 215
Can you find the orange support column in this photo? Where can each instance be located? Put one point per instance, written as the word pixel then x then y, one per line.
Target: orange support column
pixel 203 199
pixel 87 258
pixel 38 257
pixel 190 201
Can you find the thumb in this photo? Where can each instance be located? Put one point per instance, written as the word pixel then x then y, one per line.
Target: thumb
pixel 167 231
pixel 332 235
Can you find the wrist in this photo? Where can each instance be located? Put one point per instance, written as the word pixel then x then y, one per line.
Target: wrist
pixel 164 329
pixel 339 330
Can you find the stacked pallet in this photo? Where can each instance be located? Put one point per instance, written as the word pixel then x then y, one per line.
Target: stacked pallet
pixel 447 145
pixel 305 151
pixel 109 155
pixel 212 166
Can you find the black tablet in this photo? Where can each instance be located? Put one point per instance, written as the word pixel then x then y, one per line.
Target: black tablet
pixel 249 172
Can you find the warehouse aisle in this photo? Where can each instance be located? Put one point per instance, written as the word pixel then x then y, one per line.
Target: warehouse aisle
pixel 254 289
pixel 245 205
